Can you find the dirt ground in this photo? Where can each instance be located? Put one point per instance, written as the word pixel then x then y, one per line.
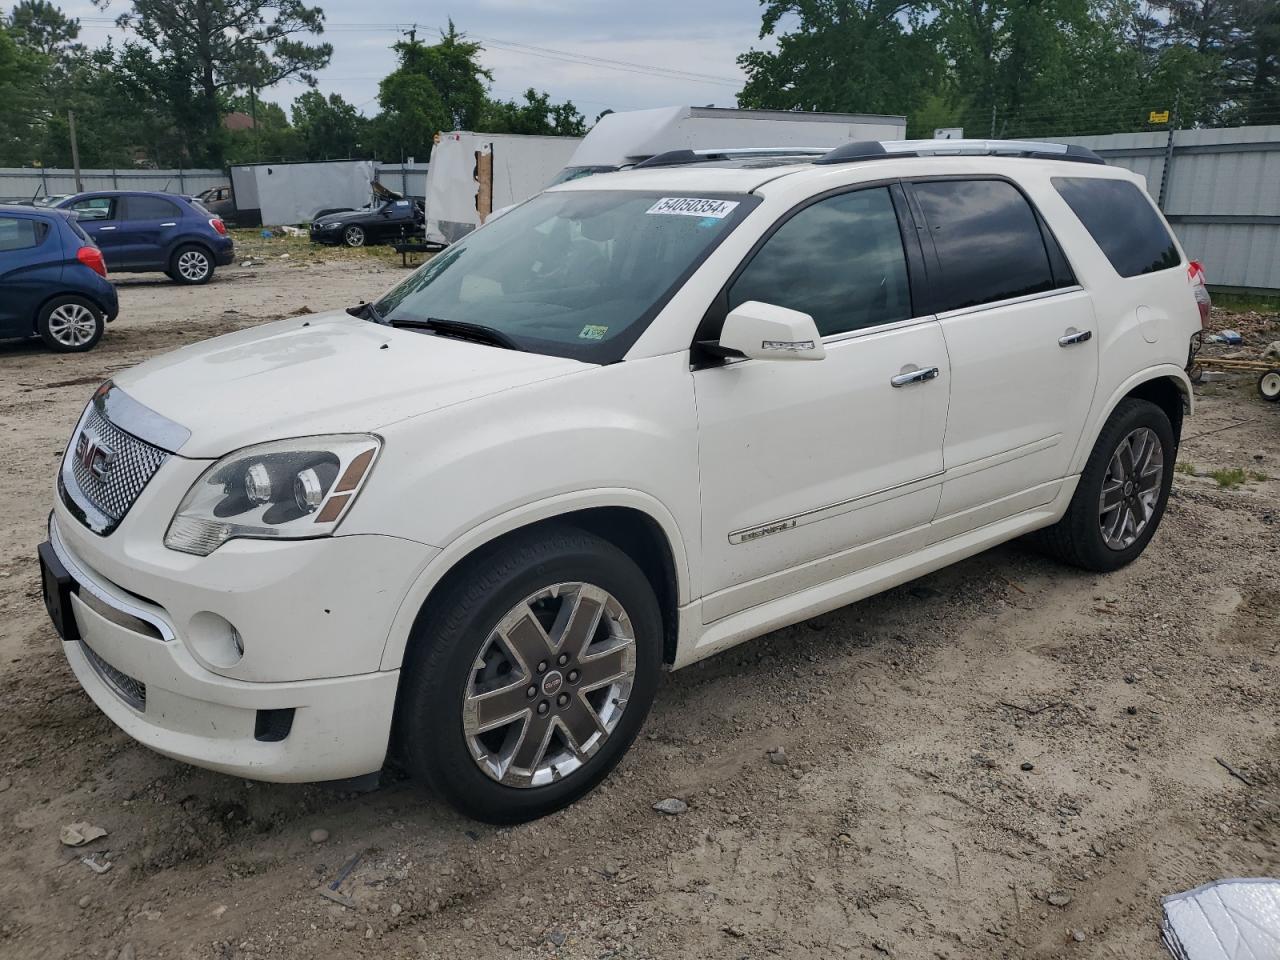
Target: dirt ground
pixel 1004 759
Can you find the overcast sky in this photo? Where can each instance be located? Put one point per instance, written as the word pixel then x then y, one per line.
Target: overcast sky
pixel 655 46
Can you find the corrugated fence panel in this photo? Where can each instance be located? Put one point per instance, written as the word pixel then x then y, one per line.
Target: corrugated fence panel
pixel 1223 198
pixel 24 183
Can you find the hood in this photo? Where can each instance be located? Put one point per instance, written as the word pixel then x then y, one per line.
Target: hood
pixel 344 216
pixel 324 373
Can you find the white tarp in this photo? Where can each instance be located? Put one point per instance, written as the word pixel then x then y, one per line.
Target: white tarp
pixel 522 166
pixel 292 193
pixel 1226 920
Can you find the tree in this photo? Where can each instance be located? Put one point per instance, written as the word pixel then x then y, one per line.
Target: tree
pixel 21 73
pixel 329 128
pixel 537 116
pixel 41 26
pixel 215 47
pixel 844 55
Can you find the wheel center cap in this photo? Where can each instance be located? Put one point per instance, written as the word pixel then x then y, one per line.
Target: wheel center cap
pixel 552 683
pixel 1128 488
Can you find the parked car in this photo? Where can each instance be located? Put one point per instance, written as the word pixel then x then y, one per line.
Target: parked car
pixel 144 232
pixel 53 281
pixel 639 419
pixel 381 222
pixel 220 202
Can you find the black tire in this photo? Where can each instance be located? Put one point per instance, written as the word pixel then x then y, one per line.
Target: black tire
pixel 1077 538
pixel 60 315
pixel 354 236
pixel 449 636
pixel 192 265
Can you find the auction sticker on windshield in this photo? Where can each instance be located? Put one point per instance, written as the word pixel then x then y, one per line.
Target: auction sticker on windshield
pixel 693 207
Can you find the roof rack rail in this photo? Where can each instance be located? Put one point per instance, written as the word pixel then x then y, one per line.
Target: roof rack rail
pixel 1036 149
pixel 678 158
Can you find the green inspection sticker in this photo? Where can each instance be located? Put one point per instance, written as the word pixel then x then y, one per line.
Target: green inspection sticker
pixel 593 331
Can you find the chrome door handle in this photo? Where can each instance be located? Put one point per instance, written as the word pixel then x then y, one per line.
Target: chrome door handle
pixel 1079 336
pixel 171 223
pixel 915 376
pixel 106 228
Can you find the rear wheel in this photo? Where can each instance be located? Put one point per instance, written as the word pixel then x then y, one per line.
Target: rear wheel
pixel 530 675
pixel 70 324
pixel 191 265
pixel 1122 493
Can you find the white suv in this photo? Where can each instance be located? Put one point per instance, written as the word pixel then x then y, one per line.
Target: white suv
pixel 638 419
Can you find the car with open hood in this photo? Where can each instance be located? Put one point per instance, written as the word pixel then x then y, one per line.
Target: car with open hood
pixel 383 221
pixel 638 419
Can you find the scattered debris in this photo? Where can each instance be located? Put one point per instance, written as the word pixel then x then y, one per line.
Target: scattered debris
pixel 93 864
pixel 672 806
pixel 778 756
pixel 78 834
pixel 319 835
pixel 1028 766
pixel 1058 898
pixel 1234 772
pixel 1229 337
pixel 1272 350
pixel 1078 936
pixel 558 937
pixel 331 891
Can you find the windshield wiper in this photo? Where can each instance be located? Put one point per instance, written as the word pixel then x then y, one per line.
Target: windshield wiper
pixel 366 311
pixel 460 329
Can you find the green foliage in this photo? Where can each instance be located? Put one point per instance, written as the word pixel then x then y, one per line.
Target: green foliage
pixel 329 127
pixel 536 116
pixel 1229 477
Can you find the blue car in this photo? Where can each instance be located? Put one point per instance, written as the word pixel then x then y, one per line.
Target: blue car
pixel 144 232
pixel 53 280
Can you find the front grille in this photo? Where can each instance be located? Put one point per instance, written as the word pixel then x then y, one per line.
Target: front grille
pixel 126 465
pixel 131 691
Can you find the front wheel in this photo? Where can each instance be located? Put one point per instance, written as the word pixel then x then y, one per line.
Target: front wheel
pixel 530 675
pixel 353 236
pixel 1122 493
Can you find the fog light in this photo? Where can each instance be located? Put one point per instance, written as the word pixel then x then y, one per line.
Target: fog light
pixel 213 640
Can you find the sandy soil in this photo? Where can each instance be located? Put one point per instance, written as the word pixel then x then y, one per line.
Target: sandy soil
pixel 1004 759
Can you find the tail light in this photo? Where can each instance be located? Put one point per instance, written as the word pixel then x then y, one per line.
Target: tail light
pixel 218 226
pixel 91 257
pixel 1195 274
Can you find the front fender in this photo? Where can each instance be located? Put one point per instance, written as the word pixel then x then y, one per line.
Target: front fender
pixel 525 515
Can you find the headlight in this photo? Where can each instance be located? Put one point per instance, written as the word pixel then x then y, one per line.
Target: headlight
pixel 285 490
pixel 330 226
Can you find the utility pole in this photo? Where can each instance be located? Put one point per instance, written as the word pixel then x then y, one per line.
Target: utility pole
pixel 75 149
pixel 1168 154
pixel 253 117
pixel 993 120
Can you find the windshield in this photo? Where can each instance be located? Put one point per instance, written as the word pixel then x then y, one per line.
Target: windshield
pixel 574 274
pixel 577 173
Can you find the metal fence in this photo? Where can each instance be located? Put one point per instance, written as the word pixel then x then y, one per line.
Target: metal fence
pixel 1219 189
pixel 26 183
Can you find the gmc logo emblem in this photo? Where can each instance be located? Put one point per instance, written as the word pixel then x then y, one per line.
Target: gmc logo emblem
pixel 93 454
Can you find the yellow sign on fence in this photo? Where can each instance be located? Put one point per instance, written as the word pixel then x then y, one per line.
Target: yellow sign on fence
pixel 1159 117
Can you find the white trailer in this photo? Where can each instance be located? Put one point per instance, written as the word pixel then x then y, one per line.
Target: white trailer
pixel 276 194
pixel 621 140
pixel 473 174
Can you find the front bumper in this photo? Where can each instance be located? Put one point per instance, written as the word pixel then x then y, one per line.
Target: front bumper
pixel 326 236
pixel 138 658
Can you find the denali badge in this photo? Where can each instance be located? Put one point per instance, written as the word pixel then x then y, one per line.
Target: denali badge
pixel 94 455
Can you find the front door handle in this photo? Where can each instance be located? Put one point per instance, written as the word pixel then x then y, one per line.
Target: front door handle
pixel 171 223
pixel 106 228
pixel 1072 337
pixel 923 375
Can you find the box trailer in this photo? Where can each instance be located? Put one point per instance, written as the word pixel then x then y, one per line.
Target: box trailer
pixel 473 174
pixel 276 194
pixel 624 139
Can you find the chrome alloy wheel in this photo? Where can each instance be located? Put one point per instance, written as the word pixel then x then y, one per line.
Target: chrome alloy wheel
pixel 354 236
pixel 193 265
pixel 1131 488
pixel 549 685
pixel 72 324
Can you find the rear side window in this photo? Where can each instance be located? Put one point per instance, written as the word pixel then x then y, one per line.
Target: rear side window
pixel 839 260
pixel 150 208
pixel 17 233
pixel 988 242
pixel 1121 220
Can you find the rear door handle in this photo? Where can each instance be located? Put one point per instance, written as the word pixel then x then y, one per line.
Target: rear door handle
pixel 106 228
pixel 923 375
pixel 171 223
pixel 1074 336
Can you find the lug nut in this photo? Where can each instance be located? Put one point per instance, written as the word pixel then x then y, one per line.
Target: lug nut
pixel 543 707
pixel 542 667
pixel 562 699
pixel 563 659
pixel 573 676
pixel 531 692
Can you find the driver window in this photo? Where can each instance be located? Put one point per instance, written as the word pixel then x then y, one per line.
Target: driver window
pixel 94 208
pixel 839 260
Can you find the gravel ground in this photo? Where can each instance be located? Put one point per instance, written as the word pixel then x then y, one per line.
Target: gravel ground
pixel 1004 759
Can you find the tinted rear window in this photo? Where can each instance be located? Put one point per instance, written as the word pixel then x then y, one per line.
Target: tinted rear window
pixel 18 233
pixel 988 242
pixel 1122 222
pixel 150 208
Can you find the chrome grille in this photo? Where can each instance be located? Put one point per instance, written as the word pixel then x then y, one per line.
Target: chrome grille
pixel 131 691
pixel 102 497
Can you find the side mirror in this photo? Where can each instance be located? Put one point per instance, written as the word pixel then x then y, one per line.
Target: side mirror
pixel 765 331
